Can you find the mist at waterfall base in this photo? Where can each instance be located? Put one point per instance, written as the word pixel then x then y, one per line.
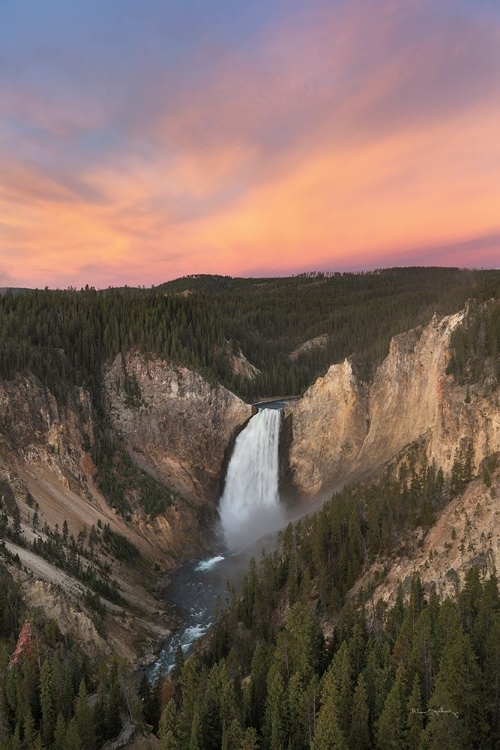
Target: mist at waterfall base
pixel 249 509
pixel 250 506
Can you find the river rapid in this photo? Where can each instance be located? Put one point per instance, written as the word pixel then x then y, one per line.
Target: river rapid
pixel 194 591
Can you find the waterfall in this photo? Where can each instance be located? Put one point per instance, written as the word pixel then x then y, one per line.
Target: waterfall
pixel 249 508
pixel 250 505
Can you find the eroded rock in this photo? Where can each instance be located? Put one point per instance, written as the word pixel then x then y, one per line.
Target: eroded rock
pixel 180 424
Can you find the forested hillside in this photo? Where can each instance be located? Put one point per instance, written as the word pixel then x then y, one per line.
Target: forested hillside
pixel 358 312
pixel 476 346
pixel 293 665
pixel 65 337
pixel 45 684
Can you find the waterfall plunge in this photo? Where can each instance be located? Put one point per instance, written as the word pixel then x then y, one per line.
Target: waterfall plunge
pixel 250 505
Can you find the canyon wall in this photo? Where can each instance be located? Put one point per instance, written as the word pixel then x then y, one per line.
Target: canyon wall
pixel 36 430
pixel 342 430
pixel 324 430
pixel 176 426
pixel 180 429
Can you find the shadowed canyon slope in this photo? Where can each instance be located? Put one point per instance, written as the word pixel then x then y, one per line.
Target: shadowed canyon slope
pixel 178 431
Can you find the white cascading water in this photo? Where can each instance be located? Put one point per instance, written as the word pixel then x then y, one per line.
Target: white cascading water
pixel 249 508
pixel 250 505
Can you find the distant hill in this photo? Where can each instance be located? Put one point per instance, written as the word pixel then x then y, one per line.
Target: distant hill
pixel 355 314
pixel 203 321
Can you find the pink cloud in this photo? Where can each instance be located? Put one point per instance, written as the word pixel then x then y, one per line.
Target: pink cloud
pixel 349 135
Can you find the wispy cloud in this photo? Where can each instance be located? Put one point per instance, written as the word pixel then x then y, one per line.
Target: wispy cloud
pixel 140 141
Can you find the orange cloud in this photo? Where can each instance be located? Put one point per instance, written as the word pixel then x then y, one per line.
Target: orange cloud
pixel 349 138
pixel 426 186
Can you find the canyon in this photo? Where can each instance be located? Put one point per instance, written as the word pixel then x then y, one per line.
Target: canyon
pixel 180 429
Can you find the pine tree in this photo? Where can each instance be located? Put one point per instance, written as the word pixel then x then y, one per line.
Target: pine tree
pixel 16 522
pixel 256 692
pixel 415 721
pixel 492 674
pixel 250 741
pixel 83 716
pixel 12 691
pixel 377 677
pixel 190 682
pixel 328 734
pixel 178 663
pixel 15 743
pixel 113 721
pixel 232 736
pixel 455 708
pixel 228 708
pixel 275 725
pixel 168 728
pixel 29 730
pixel 300 644
pixel 60 733
pixel 29 694
pixel 73 741
pixel 195 741
pixel 359 736
pixel 423 659
pixel 99 711
pixel 341 668
pixel 391 731
pixel 47 693
pixel 210 710
pixel 297 712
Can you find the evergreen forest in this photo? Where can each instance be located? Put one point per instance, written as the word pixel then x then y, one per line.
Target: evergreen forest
pixel 52 695
pixel 65 337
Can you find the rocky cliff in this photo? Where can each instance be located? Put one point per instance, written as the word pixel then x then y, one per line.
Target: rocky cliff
pixel 176 426
pixel 326 429
pixel 342 429
pixel 466 533
pixel 36 430
pixel 47 483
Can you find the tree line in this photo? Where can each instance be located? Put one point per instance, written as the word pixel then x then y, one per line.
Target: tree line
pixel 476 346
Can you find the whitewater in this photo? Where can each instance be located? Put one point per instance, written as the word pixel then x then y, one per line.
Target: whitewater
pixel 250 506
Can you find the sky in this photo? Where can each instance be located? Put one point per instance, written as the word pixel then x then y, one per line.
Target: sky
pixel 143 140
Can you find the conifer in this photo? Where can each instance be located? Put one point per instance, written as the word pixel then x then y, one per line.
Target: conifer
pixel 359 735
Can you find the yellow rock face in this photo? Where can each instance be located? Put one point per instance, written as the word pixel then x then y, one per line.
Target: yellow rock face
pixel 343 429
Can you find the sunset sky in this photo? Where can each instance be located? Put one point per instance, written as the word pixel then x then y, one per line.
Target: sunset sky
pixel 141 140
